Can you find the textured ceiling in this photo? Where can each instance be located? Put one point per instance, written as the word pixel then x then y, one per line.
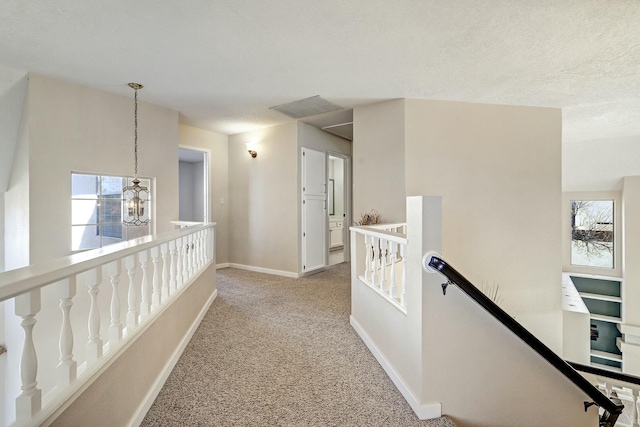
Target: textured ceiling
pixel 223 63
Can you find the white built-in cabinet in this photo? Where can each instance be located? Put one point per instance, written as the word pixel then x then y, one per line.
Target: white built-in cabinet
pixel 335 234
pixel 592 317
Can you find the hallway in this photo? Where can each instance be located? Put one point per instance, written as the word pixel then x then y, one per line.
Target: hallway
pixel 276 351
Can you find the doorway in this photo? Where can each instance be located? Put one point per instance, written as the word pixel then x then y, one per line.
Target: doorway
pixel 193 185
pixel 338 203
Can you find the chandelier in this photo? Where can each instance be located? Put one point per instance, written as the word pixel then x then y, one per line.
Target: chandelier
pixel 135 197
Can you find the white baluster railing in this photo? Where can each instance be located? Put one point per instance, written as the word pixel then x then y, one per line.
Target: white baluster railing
pixel 174 269
pixel 628 393
pixel 383 260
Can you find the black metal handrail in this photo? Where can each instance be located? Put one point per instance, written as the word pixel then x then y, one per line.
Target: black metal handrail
pixel 631 379
pixel 612 407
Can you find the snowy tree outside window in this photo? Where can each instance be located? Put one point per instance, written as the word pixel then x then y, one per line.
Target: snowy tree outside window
pixel 592 233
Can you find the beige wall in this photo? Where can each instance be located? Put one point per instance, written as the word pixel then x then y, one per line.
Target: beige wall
pixel 484 375
pixel 16 200
pixel 631 251
pixel 263 199
pixel 312 137
pixel 379 160
pixel 75 128
pixel 217 145
pixel 498 169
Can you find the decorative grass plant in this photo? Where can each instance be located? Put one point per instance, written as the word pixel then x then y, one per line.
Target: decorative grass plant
pixel 370 218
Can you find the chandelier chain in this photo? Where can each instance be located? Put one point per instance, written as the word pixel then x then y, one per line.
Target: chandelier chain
pixel 135 132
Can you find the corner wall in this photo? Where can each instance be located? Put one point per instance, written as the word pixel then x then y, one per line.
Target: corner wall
pixel 498 170
pixel 76 128
pixel 263 199
pixel 631 250
pixel 379 160
pixel 218 146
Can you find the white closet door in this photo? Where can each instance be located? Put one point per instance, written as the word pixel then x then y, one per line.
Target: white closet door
pixel 314 209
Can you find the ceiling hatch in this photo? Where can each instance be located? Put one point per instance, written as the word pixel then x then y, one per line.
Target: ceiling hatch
pixel 306 107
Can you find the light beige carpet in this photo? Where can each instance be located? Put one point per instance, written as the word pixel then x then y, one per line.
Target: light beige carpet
pixel 274 351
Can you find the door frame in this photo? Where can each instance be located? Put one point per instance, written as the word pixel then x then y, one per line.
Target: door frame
pixel 346 234
pixel 206 176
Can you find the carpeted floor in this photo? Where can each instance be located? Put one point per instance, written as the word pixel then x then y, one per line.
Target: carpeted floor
pixel 274 351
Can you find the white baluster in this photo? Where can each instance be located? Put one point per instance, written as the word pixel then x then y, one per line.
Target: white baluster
pixel 29 401
pixel 190 255
pixel 180 254
pixel 156 296
pixel 172 267
pixel 393 287
pixel 94 346
pixel 196 251
pixel 383 265
pixel 403 281
pixel 199 253
pixel 367 258
pixel 132 295
pixel 164 249
pixel 115 328
pixel 145 305
pixel 185 259
pixel 206 247
pixel 203 258
pixel 375 277
pixel 67 368
pixel 193 254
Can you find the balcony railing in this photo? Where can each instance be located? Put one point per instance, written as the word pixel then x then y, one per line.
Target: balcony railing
pixel 383 263
pixel 155 269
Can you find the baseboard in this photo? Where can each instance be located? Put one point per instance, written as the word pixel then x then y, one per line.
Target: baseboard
pixel 155 390
pixel 223 265
pixel 424 412
pixel 265 270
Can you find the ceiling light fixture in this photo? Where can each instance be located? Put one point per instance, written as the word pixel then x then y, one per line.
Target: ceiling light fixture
pixel 135 196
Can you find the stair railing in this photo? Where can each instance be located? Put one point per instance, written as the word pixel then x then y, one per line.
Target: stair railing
pixel 611 407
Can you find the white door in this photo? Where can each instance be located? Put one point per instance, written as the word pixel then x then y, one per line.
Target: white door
pixel 314 209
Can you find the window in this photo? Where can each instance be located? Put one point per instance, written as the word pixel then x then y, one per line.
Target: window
pixel 592 233
pixel 96 211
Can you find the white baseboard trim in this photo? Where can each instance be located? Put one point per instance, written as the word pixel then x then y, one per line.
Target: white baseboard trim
pixel 155 390
pixel 223 265
pixel 265 270
pixel 423 411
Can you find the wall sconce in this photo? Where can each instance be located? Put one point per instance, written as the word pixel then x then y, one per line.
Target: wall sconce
pixel 251 148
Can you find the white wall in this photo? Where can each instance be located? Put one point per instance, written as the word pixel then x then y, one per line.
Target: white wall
pixel 216 146
pixel 379 160
pixel 498 169
pixel 600 164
